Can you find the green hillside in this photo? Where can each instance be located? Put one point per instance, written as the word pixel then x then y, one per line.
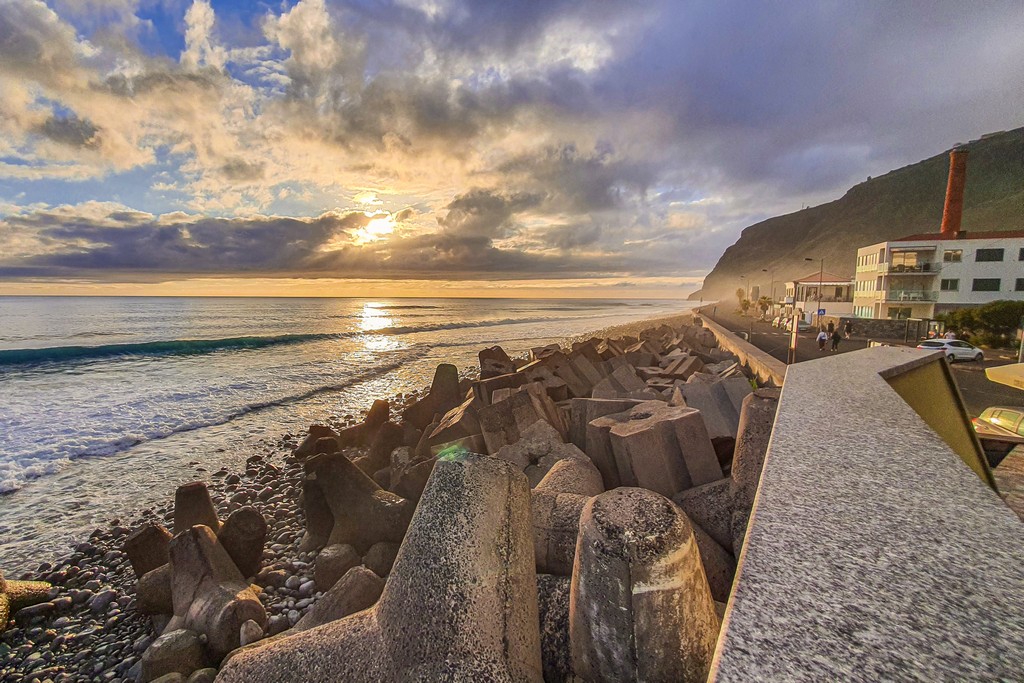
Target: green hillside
pixel 902 202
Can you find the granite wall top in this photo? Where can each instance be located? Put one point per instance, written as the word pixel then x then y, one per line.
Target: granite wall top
pixel 873 552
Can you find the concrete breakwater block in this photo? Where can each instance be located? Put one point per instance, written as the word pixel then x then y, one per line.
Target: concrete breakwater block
pixel 460 604
pixel 192 506
pixel 757 418
pixel 146 548
pixel 494 362
pixel 444 395
pixel 710 506
pixel 503 422
pixel 538 449
pixel 210 595
pixel 640 605
pixel 243 536
pixel 343 505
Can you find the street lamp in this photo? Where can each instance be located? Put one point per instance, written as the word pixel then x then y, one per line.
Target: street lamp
pixel 772 294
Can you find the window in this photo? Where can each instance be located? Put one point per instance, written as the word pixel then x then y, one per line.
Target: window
pixel 988 255
pixel 952 255
pixel 985 284
pixel 1020 256
pixel 1020 285
pixel 951 285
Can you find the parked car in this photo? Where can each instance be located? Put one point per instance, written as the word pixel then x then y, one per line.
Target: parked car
pixel 1000 421
pixel 801 325
pixel 954 349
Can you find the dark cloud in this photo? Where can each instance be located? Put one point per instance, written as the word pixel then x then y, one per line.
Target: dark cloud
pixel 240 169
pixel 484 215
pixel 69 131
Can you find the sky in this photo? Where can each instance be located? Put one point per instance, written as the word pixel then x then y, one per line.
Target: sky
pixel 460 147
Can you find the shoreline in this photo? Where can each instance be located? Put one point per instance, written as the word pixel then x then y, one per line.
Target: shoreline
pixel 111 634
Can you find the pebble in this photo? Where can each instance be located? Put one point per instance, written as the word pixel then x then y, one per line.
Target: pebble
pixel 292 583
pixel 102 600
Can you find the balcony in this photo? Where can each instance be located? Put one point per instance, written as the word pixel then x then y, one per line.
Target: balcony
pixel 903 269
pixel 911 295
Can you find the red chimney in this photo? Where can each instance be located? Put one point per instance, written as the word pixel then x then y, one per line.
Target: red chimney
pixel 953 211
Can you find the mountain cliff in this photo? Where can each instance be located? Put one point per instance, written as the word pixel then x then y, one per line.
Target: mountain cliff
pixel 902 202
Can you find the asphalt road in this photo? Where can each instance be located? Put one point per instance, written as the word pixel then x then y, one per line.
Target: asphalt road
pixel 977 391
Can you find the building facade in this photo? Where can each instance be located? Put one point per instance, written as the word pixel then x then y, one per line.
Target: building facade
pixel 920 276
pixel 819 291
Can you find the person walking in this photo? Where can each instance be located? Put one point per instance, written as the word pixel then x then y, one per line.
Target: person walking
pixel 848 329
pixel 831 327
pixel 835 339
pixel 822 338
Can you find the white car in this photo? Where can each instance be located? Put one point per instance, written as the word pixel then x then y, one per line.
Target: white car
pixel 954 349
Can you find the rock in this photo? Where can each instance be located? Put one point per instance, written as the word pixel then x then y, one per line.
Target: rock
pixel 203 676
pixel 99 602
pixel 460 604
pixel 357 590
pixel 210 595
pixel 243 536
pixel 640 608
pixel 710 507
pixel 380 557
pixel 249 632
pixel 179 651
pixel 757 418
pixel 16 595
pixel 343 505
pixel 170 678
pixel 553 606
pixel 332 563
pixel 494 361
pixel 146 548
pixel 192 505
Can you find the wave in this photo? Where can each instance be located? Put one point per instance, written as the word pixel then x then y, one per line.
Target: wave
pixel 177 347
pixel 35 466
pixel 188 347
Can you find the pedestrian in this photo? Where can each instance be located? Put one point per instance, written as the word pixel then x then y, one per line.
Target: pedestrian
pixel 849 329
pixel 950 334
pixel 835 340
pixel 822 338
pixel 831 327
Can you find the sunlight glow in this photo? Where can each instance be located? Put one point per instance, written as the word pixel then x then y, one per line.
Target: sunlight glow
pixel 377 229
pixel 374 318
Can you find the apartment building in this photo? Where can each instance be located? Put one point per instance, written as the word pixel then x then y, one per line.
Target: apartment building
pixel 920 276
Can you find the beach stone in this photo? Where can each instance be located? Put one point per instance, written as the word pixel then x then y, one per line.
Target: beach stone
pixel 210 595
pixel 553 607
pixel 179 651
pixel 460 604
pixel 243 536
pixel 343 505
pixel 146 548
pixel 100 601
pixel 332 563
pixel 169 678
pixel 494 361
pixel 203 676
pixel 192 505
pixel 710 507
pixel 380 557
pixel 358 589
pixel 249 632
pixel 641 608
pixel 757 418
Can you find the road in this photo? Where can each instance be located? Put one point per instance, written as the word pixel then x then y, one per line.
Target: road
pixel 977 391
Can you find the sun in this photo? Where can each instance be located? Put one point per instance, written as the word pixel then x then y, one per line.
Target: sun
pixel 378 227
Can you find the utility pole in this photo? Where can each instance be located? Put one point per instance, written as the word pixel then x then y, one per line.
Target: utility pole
pixel 772 293
pixel 821 274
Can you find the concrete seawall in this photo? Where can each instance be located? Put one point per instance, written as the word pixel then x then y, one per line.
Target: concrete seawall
pixel 767 369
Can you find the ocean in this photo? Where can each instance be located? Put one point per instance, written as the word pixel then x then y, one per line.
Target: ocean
pixel 107 404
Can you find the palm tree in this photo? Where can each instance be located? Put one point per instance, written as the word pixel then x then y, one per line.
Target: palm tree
pixel 740 295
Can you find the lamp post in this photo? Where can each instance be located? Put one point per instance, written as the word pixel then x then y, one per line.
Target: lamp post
pixel 772 293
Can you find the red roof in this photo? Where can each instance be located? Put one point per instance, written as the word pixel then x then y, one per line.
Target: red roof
pixel 964 235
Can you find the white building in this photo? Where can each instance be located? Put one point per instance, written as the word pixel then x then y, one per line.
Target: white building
pixel 803 295
pixel 922 275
